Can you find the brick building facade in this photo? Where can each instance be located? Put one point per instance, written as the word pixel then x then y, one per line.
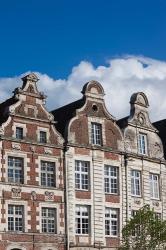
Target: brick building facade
pixel 71 178
pixel 31 187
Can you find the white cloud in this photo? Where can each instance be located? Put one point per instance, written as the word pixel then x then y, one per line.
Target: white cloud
pixel 120 79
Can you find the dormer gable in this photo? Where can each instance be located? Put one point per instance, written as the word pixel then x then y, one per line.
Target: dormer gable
pixel 27 108
pixel 139 115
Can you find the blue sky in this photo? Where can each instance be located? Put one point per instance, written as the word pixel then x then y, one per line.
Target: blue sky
pixel 53 36
pixel 120 43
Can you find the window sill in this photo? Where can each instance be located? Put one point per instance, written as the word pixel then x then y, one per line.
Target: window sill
pixel 112 236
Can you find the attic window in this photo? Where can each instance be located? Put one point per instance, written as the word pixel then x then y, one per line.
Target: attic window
pixel 94 107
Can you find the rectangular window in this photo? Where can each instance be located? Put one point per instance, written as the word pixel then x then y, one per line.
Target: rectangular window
pixel 42 137
pixel 82 220
pixel 19 133
pixel 15 170
pixel 48 220
pixel 96 133
pixel 48 174
pixel 111 179
pixel 82 175
pixel 142 144
pixel 112 221
pixel 136 230
pixel 154 186
pixel 135 182
pixel 15 218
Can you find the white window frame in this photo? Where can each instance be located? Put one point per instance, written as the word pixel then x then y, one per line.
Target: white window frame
pixel 142 144
pixel 112 220
pixel 135 183
pixel 46 130
pixel 15 217
pixel 154 186
pixel 22 133
pixel 47 173
pixel 15 168
pixel 47 218
pixel 111 179
pixel 19 125
pixel 82 177
pixel 96 133
pixel 81 217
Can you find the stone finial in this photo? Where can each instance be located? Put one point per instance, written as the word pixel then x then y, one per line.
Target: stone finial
pixel 140 99
pixel 93 89
pixel 30 77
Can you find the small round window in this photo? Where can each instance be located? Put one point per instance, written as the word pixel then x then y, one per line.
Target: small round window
pixel 94 107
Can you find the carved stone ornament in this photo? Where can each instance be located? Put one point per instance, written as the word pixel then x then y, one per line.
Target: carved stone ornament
pixel 141 118
pixel 49 196
pixel 1 131
pixel 16 146
pixel 48 151
pixel 12 110
pixel 32 148
pixel 16 192
pixel 157 150
pixel 156 203
pixel 33 195
pixel 137 201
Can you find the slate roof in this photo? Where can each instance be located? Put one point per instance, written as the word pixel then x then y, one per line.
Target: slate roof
pixel 122 123
pixel 4 108
pixel 161 126
pixel 64 114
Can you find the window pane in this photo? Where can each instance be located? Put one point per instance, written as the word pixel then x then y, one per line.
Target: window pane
pixel 82 175
pixel 15 169
pixel 15 218
pixel 19 133
pixel 111 221
pixel 48 174
pixel 142 143
pixel 135 182
pixel 48 220
pixel 154 186
pixel 96 133
pixel 82 222
pixel 111 179
pixel 42 137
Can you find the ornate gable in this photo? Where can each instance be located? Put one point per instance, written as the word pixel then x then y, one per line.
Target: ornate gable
pixel 139 115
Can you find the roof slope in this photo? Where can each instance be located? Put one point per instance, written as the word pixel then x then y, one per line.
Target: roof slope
pixel 63 115
pixel 161 126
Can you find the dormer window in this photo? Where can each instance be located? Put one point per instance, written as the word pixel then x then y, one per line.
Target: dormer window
pixel 142 144
pixel 96 133
pixel 43 137
pixel 19 133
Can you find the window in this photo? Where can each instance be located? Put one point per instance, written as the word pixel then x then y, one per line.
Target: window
pixel 142 144
pixel 82 220
pixel 154 186
pixel 96 133
pixel 135 183
pixel 137 229
pixel 82 175
pixel 15 218
pixel 15 170
pixel 112 221
pixel 42 137
pixel 19 133
pixel 111 179
pixel 48 174
pixel 48 220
